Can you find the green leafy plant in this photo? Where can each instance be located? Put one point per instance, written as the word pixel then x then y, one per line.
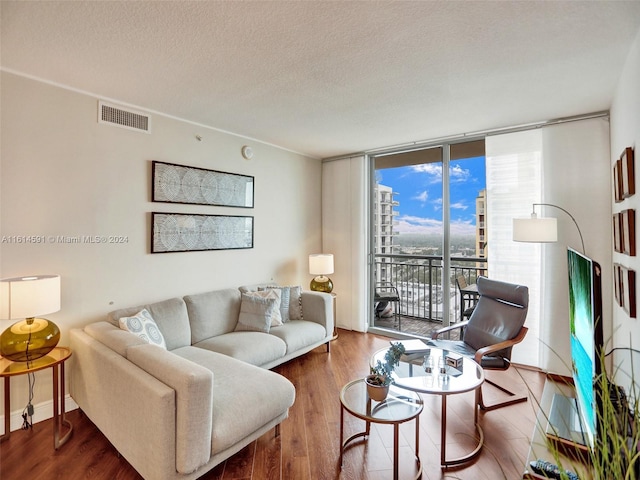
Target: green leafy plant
pixel 380 373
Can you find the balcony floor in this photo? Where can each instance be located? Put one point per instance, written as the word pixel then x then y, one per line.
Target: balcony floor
pixel 413 326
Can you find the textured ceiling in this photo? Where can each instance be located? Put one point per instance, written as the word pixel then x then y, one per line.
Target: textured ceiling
pixel 329 78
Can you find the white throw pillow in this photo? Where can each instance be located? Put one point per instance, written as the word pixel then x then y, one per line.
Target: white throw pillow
pixel 276 315
pixel 295 302
pixel 285 295
pixel 257 311
pixel 144 326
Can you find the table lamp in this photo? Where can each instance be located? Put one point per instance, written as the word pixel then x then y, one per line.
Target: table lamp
pixel 321 264
pixel 27 298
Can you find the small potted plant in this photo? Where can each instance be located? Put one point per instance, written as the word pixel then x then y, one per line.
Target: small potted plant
pixel 379 377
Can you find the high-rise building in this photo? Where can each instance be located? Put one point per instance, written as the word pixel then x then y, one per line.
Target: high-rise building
pixel 481 229
pixel 383 223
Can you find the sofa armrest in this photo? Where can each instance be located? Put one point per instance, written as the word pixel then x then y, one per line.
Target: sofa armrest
pixel 193 385
pixel 318 307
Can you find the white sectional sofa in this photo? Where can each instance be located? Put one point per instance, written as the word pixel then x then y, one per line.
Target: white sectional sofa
pixel 176 413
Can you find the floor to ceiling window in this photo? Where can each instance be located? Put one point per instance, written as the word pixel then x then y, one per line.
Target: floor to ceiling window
pixel 428 228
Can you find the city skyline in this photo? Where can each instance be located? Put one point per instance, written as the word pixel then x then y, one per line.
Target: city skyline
pixel 419 194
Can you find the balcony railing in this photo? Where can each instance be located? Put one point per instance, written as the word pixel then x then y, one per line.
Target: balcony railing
pixel 418 279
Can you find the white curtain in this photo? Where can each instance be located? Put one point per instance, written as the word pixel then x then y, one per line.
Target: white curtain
pixel 344 233
pixel 565 165
pixel 514 183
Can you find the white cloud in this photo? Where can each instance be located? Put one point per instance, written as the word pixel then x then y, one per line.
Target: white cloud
pixel 412 224
pixel 421 197
pixel 459 174
pixel 459 206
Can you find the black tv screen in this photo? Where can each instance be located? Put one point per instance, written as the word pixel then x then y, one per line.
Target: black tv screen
pixel 585 317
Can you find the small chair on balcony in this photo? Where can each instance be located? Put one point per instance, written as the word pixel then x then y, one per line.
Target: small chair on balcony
pixel 468 297
pixel 385 294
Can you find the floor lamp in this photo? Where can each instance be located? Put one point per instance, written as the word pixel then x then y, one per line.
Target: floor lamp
pixel 540 230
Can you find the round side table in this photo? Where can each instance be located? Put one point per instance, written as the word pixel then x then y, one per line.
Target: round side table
pixel 55 361
pixel 400 406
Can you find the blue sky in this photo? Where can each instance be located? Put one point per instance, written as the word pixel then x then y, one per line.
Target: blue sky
pixel 419 190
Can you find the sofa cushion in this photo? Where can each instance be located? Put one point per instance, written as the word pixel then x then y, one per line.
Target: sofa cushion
pixel 256 348
pixel 285 294
pixel 113 337
pixel 213 313
pixel 245 397
pixel 276 295
pixel 256 312
pixel 143 325
pixel 298 334
pixel 170 316
pixel 295 303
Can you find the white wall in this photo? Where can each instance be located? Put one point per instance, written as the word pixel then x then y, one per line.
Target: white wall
pixel 576 173
pixel 65 174
pixel 625 132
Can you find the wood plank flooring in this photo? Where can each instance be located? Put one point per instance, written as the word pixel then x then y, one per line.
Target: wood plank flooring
pixel 308 445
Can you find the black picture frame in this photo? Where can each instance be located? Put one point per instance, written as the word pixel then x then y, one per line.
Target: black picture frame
pixel 183 232
pixel 173 183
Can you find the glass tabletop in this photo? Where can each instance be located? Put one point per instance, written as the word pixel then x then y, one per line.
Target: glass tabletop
pixel 399 406
pixel 411 373
pixel 55 356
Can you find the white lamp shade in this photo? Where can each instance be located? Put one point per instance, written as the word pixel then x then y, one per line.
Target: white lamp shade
pixel 321 264
pixel 27 297
pixel 535 229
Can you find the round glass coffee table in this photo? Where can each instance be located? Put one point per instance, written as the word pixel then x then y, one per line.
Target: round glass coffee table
pixel 400 406
pixel 411 375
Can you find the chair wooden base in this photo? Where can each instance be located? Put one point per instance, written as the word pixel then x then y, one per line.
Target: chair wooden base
pixel 515 398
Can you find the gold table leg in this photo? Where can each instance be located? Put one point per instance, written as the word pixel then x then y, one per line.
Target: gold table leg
pixel 443 435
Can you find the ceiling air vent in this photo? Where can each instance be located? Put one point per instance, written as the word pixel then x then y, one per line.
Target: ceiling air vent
pixel 119 117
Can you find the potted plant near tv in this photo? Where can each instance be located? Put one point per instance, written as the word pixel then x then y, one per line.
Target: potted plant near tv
pixel 379 377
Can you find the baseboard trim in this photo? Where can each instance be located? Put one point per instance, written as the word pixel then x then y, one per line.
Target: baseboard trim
pixel 41 412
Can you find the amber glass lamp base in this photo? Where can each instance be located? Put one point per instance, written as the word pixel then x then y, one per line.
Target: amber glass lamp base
pixel 321 284
pixel 29 339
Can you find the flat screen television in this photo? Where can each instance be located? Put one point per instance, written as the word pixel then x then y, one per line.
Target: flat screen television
pixel 585 320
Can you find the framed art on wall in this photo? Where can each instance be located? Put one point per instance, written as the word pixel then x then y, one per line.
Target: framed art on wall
pixel 198 186
pixel 629 232
pixel 628 290
pixel 617 181
pixel 617 281
pixel 617 232
pixel 628 173
pixel 179 232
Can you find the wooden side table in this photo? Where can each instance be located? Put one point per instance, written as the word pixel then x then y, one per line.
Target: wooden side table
pixel 55 360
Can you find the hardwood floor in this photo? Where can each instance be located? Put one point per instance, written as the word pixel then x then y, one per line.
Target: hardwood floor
pixel 308 445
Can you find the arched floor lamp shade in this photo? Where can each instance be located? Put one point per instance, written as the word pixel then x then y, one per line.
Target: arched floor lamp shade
pixel 540 230
pixel 321 264
pixel 28 298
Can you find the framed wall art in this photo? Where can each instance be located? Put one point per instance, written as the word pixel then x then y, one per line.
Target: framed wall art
pixel 180 232
pixel 628 290
pixel 617 181
pixel 617 233
pixel 629 232
pixel 617 283
pixel 198 186
pixel 628 173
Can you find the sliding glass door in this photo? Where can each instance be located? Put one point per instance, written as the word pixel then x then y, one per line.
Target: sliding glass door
pixel 426 228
